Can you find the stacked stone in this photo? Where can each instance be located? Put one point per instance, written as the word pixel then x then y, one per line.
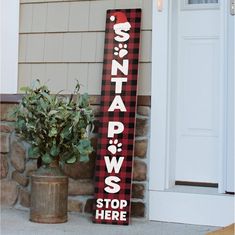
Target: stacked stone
pixel 17 167
pixel 139 186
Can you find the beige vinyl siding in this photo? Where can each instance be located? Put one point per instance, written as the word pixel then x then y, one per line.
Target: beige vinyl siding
pixel 61 41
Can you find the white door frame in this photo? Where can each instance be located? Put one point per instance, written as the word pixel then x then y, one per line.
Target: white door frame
pixel 230 181
pixel 167 203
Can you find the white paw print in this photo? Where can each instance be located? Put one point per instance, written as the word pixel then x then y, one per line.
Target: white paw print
pixel 114 146
pixel 121 50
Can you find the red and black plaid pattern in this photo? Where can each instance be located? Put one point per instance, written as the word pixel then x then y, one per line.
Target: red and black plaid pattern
pixel 128 95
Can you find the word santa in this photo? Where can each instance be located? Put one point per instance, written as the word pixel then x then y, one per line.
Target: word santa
pixel 112 209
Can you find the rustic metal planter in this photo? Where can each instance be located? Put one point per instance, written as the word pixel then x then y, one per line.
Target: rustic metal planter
pixel 49 196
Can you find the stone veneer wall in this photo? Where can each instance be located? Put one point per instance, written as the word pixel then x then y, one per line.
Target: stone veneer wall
pixel 16 168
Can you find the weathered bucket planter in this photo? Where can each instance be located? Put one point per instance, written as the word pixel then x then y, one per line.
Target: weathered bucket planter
pixel 49 196
pixel 58 128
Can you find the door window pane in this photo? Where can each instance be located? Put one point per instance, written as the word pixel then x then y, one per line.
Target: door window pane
pixel 202 1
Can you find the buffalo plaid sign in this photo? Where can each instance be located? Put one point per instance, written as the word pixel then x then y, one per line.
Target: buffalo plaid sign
pixel 117 122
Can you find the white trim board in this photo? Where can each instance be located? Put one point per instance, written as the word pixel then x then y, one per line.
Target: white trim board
pixel 9 22
pixel 158 126
pixel 191 208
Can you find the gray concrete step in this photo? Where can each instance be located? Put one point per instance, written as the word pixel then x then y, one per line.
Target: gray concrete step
pixel 16 222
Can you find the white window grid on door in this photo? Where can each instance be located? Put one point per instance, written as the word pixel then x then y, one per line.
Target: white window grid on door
pixel 199 4
pixel 202 1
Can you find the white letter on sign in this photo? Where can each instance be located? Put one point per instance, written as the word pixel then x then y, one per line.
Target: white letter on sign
pixel 99 214
pixel 117 104
pixel 115 128
pixel 114 188
pixel 118 85
pixel 123 68
pixel 113 164
pixel 99 203
pixel 122 35
pixel 123 203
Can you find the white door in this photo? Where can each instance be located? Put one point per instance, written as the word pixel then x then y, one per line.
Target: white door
pixel 197 91
pixel 188 112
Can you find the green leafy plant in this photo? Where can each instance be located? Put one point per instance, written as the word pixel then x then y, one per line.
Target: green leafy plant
pixel 57 127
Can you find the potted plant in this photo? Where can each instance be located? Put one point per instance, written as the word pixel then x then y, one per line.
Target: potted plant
pixel 57 127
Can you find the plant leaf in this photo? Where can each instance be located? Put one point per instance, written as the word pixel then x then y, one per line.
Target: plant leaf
pixel 84 158
pixel 73 159
pixel 66 132
pixel 52 132
pixel 47 159
pixel 33 152
pixel 53 112
pixel 54 151
pixel 43 104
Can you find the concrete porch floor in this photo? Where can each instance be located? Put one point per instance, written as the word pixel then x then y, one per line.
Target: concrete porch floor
pixel 16 222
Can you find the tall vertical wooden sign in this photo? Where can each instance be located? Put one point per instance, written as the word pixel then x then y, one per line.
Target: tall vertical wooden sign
pixel 117 122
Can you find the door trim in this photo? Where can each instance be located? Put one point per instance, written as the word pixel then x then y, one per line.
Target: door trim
pixel 160 172
pixel 192 208
pixel 229 182
pixel 158 122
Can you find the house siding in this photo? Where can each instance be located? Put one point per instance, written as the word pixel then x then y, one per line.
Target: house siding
pixel 61 41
